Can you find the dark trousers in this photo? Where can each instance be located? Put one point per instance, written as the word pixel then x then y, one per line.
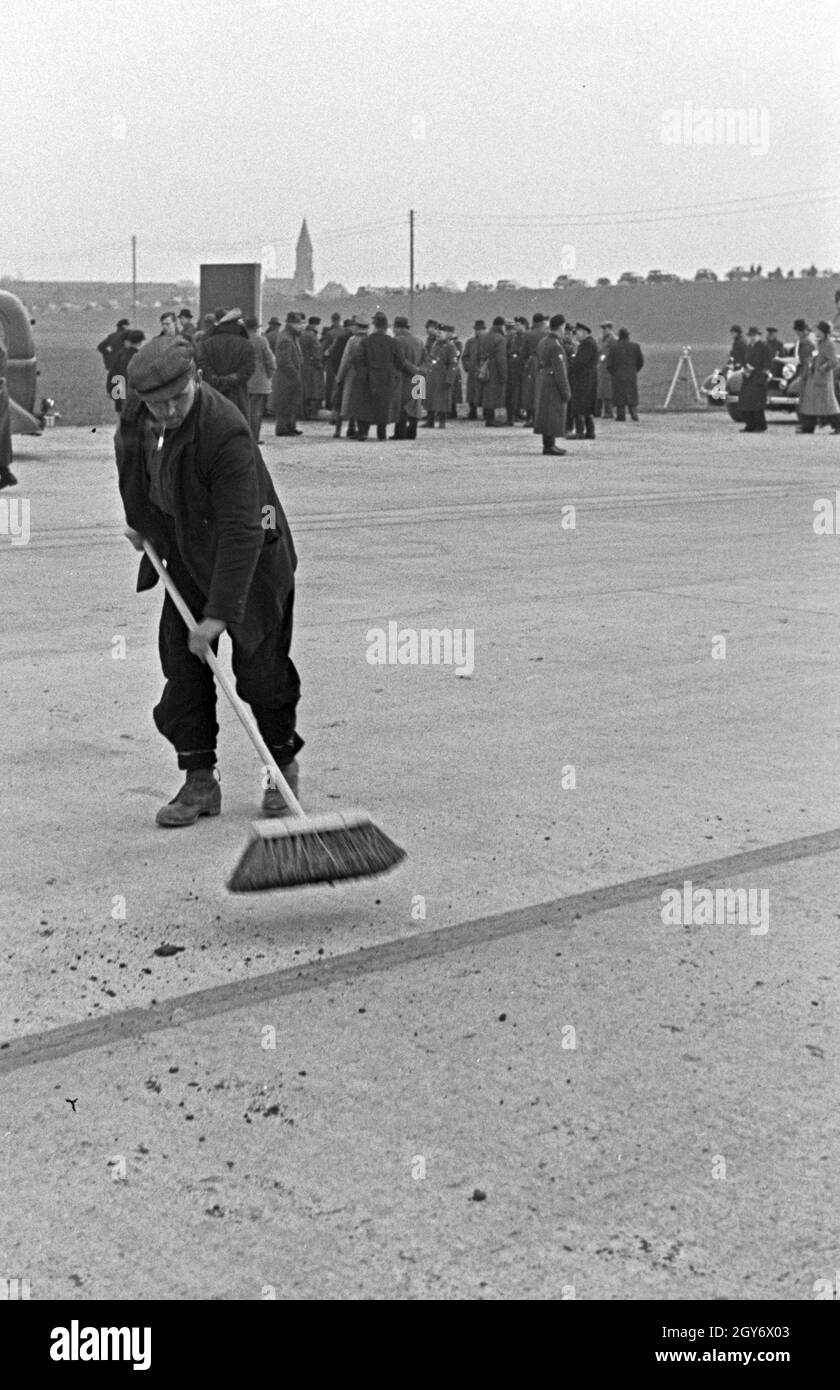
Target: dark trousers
pixel 406 427
pixel 489 415
pixel 285 424
pixel 584 426
pixel 808 423
pixel 754 421
pixel 256 410
pixel 266 679
pixel 364 427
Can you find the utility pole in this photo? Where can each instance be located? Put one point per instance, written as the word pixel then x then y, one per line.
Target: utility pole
pixel 134 277
pixel 411 267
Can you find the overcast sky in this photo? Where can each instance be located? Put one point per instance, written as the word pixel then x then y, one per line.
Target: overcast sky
pixel 529 136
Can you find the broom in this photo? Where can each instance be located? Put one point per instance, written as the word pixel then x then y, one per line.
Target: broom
pixel 298 849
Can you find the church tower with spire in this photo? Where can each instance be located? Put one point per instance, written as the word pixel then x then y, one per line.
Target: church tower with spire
pixel 304 279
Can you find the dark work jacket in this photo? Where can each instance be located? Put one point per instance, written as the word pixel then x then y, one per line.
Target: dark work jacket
pixel 229 526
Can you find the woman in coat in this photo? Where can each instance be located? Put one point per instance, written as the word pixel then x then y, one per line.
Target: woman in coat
pixel 552 389
pixel 604 397
pixel 817 398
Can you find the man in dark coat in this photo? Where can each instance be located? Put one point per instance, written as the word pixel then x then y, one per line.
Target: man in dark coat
pixel 117 380
pixel 328 339
pixel 186 327
pixel 583 380
pixel 313 370
pixel 492 370
pixel 738 351
pixel 469 362
pixel 227 359
pixel 514 336
pixel 409 392
pixel 552 392
pixel 194 484
pixel 111 345
pixel 381 360
pixel 529 365
pixel 336 351
pixel 287 390
pixel 624 362
pixel 441 360
pixel 752 397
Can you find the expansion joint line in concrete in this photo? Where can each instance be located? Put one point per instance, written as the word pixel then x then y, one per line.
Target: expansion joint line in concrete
pixel 55 1043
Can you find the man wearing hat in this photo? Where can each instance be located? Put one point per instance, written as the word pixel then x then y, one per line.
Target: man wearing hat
pixel 738 351
pixel 441 363
pixel 272 329
pixel 186 327
pixel 409 392
pixel 514 343
pixel 112 344
pixel 227 359
pixel 806 346
pixel 752 397
pixel 194 484
pixel 604 392
pixel 7 477
pixel 552 391
pixel 492 370
pixel 313 369
pixel 287 390
pixel 469 361
pixel 625 360
pixel 583 380
pixel 328 339
pixel 348 383
pixel 774 342
pixel 379 362
pixel 530 342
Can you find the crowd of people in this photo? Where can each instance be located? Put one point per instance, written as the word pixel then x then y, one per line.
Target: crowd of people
pixel 814 381
pixel 368 375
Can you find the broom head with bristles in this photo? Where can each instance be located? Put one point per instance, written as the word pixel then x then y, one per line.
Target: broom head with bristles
pixel 293 851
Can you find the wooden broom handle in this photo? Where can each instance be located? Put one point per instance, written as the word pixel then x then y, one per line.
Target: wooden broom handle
pixel 221 675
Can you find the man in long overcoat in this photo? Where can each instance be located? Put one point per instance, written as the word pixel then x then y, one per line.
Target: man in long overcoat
pixel 514 343
pixel 442 364
pixel 604 394
pixel 583 379
pixel 287 389
pixel 529 364
pixel 227 359
pixel 738 351
pixel 409 392
pixel 624 362
pixel 752 397
pixel 380 361
pixel 313 370
pixel 552 393
pixel 469 361
pixel 194 484
pixel 348 385
pixel 818 400
pixel 7 477
pixel 492 370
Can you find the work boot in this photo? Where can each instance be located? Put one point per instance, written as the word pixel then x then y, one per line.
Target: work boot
pixel 273 803
pixel 200 795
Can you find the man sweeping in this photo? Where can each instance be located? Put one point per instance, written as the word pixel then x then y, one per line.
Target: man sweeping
pixel 194 484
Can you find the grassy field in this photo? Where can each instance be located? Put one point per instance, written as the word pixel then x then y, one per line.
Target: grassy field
pixel 73 375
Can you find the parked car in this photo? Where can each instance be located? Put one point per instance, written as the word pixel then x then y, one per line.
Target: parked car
pixel 704 274
pixel 722 386
pixel 603 280
pixel 629 277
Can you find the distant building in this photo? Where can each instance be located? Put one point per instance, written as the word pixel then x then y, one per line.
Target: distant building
pixel 303 280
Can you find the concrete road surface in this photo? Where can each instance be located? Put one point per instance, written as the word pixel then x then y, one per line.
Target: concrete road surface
pixel 515 1067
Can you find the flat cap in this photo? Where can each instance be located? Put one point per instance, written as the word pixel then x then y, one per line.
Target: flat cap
pixel 161 367
pixel 401 321
pixel 736 328
pixel 232 316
